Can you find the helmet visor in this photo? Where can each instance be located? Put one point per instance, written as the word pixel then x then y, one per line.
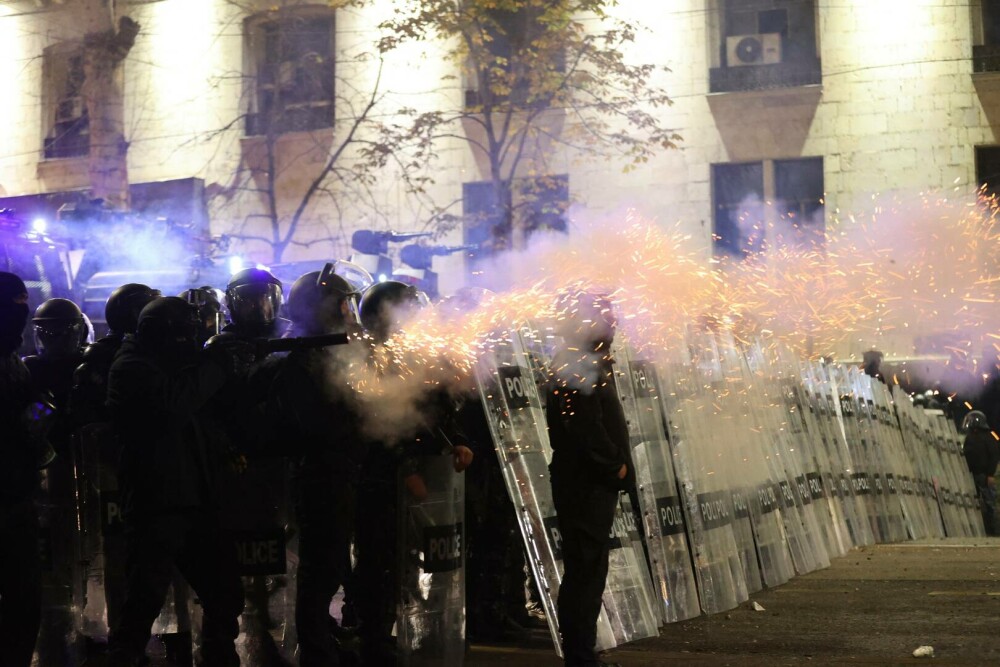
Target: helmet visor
pixel 59 339
pixel 255 304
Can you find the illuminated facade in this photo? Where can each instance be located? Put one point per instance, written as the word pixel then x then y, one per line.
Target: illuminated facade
pixel 811 105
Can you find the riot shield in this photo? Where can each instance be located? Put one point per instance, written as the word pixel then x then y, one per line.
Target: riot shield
pixel 707 503
pixel 506 380
pixel 666 540
pixel 823 396
pixel 255 510
pixel 761 373
pixel 430 617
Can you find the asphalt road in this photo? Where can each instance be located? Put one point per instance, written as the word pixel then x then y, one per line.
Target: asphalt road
pixel 871 607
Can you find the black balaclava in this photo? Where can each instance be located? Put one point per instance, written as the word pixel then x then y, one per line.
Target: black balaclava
pixel 13 315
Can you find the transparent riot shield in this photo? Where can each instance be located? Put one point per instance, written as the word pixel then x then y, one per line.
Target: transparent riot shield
pixel 430 617
pixel 707 503
pixel 507 385
pixel 59 547
pixel 663 519
pixel 825 399
pixel 255 510
pixel 94 440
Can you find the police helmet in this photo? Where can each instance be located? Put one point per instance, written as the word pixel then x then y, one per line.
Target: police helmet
pixel 975 421
pixel 355 274
pixel 382 303
pixel 211 311
pixel 316 300
pixel 254 297
pixel 121 312
pixel 60 329
pixel 169 321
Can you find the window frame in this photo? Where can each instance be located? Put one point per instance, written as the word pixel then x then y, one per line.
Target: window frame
pixel 56 142
pixel 255 58
pixel 771 211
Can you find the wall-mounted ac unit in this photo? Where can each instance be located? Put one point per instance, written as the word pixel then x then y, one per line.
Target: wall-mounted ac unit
pixel 744 50
pixel 69 109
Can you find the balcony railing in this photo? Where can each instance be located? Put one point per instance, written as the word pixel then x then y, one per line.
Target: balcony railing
pixel 986 58
pixel 765 77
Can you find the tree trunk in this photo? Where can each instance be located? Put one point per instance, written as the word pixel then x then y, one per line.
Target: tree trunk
pixel 105 48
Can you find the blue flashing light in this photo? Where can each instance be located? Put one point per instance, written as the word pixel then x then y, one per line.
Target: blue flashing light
pixel 235 264
pixel 39 225
pixel 382 277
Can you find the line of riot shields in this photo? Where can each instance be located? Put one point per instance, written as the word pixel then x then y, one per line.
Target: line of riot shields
pixel 752 466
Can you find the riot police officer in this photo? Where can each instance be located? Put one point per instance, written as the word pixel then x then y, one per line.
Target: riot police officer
pixel 159 387
pixel 60 332
pixel 590 465
pixel 100 453
pixel 211 311
pixel 384 307
pixel 316 415
pixel 254 298
pixel 20 568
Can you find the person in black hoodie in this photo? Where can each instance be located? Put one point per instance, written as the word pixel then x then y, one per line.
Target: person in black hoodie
pixel 159 386
pixel 20 448
pixel 982 454
pixel 590 465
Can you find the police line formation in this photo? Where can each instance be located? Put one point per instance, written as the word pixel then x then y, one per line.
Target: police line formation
pixel 751 466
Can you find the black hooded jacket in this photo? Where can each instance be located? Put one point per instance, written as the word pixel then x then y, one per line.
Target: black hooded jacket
pixel 587 428
pixel 982 452
pixel 18 444
pixel 170 455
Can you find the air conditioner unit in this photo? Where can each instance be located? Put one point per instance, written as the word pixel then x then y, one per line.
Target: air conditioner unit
pixel 69 109
pixel 753 49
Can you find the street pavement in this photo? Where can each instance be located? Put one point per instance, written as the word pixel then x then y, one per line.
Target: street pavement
pixel 874 606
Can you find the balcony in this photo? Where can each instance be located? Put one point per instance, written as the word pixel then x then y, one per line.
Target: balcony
pixel 765 77
pixel 986 58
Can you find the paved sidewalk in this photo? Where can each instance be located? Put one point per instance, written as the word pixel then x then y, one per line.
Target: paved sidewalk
pixel 871 607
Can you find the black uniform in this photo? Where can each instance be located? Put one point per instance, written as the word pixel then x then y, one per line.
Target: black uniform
pixel 169 468
pixel 982 453
pixel 377 574
pixel 20 570
pixel 319 427
pixel 590 443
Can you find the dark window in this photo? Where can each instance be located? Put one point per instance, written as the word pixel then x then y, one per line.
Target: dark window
pixel 799 196
pixel 509 59
pixel 991 22
pixel 988 169
pixel 744 225
pixel 738 194
pixel 766 44
pixel 540 202
pixel 69 133
pixel 293 73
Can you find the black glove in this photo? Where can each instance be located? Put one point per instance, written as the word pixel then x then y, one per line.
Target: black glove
pixel 233 353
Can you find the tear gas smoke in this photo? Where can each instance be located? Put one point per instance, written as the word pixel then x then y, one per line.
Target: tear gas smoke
pixel 927 261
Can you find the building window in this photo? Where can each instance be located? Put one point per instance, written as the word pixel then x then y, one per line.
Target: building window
pixel 539 203
pixel 768 204
pixel 67 126
pixel 986 49
pixel 291 63
pixel 502 69
pixel 988 169
pixel 765 44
